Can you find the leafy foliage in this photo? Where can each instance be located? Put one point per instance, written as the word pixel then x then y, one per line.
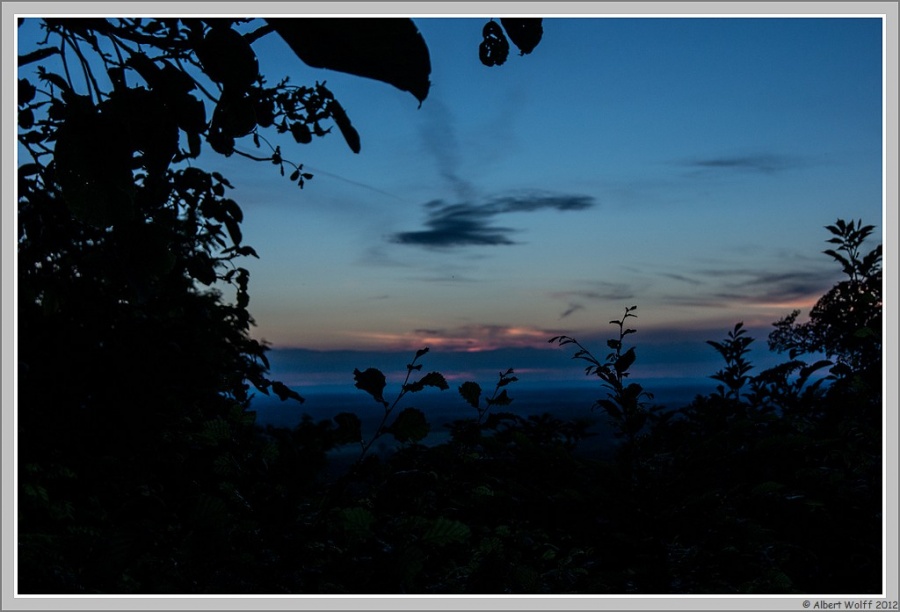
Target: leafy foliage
pixel 623 403
pixel 524 33
pixel 389 50
pixel 138 450
pixel 734 375
pixel 845 324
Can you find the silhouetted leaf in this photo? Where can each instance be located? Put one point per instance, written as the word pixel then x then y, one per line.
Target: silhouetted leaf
pixel 215 431
pixel 806 371
pixel 610 407
pixel 234 115
pixel 300 132
pixel 246 251
pixel 29 169
pixel 409 426
pixel 471 392
pixel 435 379
pixel 494 47
pixel 632 392
pixel 446 531
pixel 525 33
pixel 284 392
pixel 506 379
pixel 357 522
pixel 389 50
pixel 371 381
pixel 432 379
pixel 343 122
pixel 501 400
pixel 234 230
pixel 26 92
pixel 624 362
pixel 208 510
pixel 496 419
pixel 228 58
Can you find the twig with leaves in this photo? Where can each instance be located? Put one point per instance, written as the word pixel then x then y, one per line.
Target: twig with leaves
pixel 410 424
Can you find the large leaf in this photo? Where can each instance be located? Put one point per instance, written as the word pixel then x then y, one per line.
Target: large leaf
pixel 525 33
pixel 624 362
pixel 357 522
pixel 432 379
pixel 471 392
pixel 371 381
pixel 410 426
pixel 386 49
pixel 343 122
pixel 494 47
pixel 501 400
pixel 446 531
pixel 285 393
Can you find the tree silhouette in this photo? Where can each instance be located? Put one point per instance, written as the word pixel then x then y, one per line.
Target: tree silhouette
pixel 136 369
pixel 845 324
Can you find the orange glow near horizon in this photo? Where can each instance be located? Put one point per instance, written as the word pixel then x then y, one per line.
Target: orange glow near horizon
pixel 469 338
pixel 480 337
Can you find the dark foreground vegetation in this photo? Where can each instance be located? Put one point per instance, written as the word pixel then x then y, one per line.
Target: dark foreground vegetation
pixel 141 470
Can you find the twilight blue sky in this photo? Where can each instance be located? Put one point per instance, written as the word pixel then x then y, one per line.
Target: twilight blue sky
pixel 684 165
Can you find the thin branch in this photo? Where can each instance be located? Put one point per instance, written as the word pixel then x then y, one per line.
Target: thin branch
pixel 36 56
pixel 65 63
pixel 259 33
pixel 196 82
pixel 253 157
pixel 88 73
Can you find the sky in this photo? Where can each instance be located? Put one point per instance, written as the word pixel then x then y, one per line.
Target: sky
pixel 684 165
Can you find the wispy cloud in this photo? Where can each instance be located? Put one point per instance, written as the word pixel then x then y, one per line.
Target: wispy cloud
pixel 682 278
pixel 767 163
pixel 471 223
pixel 761 285
pixel 600 291
pixel 440 139
pixel 749 287
pixel 571 309
pixel 595 291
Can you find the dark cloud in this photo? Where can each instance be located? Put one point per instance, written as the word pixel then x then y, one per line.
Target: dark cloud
pixel 443 277
pixel 571 309
pixel 597 291
pixel 743 285
pixel 601 292
pixel 774 285
pixel 470 224
pixel 426 332
pixel 766 164
pixel 684 279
